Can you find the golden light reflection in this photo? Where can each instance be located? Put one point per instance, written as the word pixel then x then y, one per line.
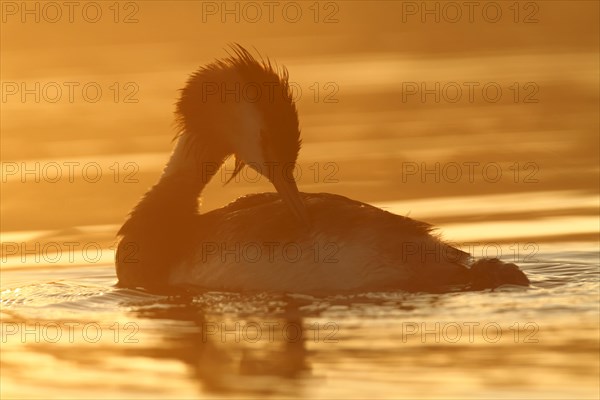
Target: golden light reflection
pixel 478 117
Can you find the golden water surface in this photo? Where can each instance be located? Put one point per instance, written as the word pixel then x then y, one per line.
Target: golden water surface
pixel 479 117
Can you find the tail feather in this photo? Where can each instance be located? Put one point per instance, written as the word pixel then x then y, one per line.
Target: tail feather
pixel 490 273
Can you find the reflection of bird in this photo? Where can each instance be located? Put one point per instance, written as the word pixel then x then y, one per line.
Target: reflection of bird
pixel 291 241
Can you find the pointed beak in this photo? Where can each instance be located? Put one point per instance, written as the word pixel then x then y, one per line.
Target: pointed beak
pixel 239 165
pixel 287 189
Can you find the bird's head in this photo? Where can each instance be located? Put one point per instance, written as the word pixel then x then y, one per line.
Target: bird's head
pixel 244 106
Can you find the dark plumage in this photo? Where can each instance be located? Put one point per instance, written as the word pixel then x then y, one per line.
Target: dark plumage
pixel 340 245
pixel 238 78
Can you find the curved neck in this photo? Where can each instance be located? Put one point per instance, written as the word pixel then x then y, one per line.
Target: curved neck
pixel 174 198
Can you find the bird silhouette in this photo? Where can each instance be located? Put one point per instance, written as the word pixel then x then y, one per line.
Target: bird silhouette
pixel 313 243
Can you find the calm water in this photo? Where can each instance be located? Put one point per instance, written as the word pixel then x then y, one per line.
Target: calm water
pixel 67 332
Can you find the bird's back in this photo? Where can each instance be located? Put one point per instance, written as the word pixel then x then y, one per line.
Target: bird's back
pixel 254 244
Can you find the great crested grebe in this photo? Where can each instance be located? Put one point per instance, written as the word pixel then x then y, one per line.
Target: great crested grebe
pixel 313 243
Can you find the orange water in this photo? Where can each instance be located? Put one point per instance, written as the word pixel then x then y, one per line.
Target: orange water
pixel 68 333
